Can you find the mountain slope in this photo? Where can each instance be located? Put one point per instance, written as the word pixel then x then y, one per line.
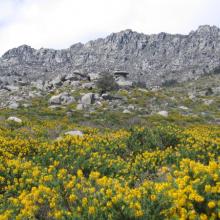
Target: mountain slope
pixel 153 59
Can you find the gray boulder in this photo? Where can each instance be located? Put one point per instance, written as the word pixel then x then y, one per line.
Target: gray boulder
pixel 14 119
pixel 74 133
pixel 163 113
pixel 88 99
pixel 13 105
pixel 61 99
pixel 80 107
pixel 94 76
pixel 88 85
pixel 11 88
pixel 124 83
pixel 183 107
pixel 126 111
pixel 208 101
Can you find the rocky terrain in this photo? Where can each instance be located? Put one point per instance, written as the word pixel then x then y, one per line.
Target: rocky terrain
pixel 151 73
pixel 150 59
pixel 83 102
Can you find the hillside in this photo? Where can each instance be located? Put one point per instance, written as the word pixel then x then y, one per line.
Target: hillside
pixel 95 133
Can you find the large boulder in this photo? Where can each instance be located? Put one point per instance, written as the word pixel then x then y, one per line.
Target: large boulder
pixel 124 83
pixel 13 105
pixel 88 99
pixel 107 96
pixel 80 107
pixel 14 119
pixel 88 85
pixel 11 88
pixel 163 113
pixel 94 76
pixel 61 99
pixel 121 74
pixel 126 111
pixel 58 81
pixel 74 133
pixel 182 107
pixel 75 84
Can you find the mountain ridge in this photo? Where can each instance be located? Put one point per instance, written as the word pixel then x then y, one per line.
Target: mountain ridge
pixel 152 59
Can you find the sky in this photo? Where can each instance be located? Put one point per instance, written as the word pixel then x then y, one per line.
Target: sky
pixel 60 23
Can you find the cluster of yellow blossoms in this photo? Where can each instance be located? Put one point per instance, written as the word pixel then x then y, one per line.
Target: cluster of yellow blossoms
pixel 98 177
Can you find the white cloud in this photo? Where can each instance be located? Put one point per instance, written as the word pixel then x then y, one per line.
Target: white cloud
pixel 60 23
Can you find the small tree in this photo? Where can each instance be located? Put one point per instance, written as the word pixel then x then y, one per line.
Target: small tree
pixel 209 91
pixel 169 83
pixel 106 83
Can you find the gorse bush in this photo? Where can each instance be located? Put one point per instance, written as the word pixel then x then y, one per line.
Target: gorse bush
pixel 152 138
pixel 143 173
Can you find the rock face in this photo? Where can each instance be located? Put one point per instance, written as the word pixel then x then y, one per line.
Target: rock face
pixel 152 59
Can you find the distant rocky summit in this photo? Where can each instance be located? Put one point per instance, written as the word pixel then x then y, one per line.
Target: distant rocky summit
pixel 150 59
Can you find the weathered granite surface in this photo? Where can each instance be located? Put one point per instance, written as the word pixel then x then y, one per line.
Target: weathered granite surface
pixel 153 59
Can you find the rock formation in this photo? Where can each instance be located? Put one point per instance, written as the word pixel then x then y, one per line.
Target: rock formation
pixel 152 59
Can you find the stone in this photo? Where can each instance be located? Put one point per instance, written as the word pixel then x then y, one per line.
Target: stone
pixel 89 85
pixel 131 107
pixel 143 90
pixel 74 133
pixel 58 81
pixel 75 84
pixel 88 99
pixel 208 101
pixel 54 106
pixel 121 73
pixel 191 96
pixel 67 83
pixel 26 105
pixel 14 119
pixel 11 88
pixel 216 90
pixel 61 99
pixel 69 114
pixel 126 111
pixel 70 77
pixel 55 100
pixel 38 84
pixel 163 113
pixel 94 76
pixel 13 105
pixel 107 96
pixel 124 83
pixel 183 107
pixel 80 107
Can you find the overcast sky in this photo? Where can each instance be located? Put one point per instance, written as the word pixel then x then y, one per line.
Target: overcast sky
pixel 61 23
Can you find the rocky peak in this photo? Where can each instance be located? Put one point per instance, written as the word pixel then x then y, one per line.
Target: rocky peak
pixel 21 51
pixel 152 59
pixel 207 29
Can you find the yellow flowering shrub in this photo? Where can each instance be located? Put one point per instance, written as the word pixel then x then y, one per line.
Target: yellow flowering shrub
pixel 170 173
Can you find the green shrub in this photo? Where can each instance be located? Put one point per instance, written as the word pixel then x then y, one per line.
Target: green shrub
pixel 106 83
pixel 150 139
pixel 169 83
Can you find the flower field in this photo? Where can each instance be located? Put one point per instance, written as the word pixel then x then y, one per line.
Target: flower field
pixel 165 172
